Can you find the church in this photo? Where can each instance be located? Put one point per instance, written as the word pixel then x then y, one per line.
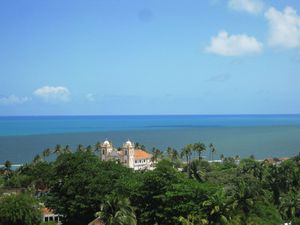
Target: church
pixel 136 159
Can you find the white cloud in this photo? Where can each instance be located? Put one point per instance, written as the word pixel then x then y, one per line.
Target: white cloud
pixel 234 45
pixel 250 6
pixel 13 100
pixel 90 97
pixel 284 27
pixel 53 94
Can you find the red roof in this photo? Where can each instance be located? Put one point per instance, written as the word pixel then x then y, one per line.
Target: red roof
pixel 141 154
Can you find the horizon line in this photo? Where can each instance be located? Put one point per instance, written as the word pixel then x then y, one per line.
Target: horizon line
pixel 116 115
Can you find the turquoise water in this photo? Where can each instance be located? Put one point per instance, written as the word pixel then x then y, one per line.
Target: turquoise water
pixel 13 126
pixel 21 138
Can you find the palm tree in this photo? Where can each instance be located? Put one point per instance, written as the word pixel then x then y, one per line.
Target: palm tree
pixel 7 165
pixel 222 157
pixel 98 147
pixel 290 205
pixel 212 150
pixel 117 211
pixel 156 154
pixel 199 147
pixel 80 148
pixel 187 152
pixel 46 153
pixel 37 159
pixel 217 208
pixel 89 148
pixel 67 149
pixel 57 150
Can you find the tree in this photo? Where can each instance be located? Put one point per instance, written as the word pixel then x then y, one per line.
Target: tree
pixel 19 209
pixel 58 150
pixel 46 153
pixel 217 208
pixel 117 211
pixel 199 147
pixel 290 205
pixel 212 150
pixel 80 182
pixel 7 165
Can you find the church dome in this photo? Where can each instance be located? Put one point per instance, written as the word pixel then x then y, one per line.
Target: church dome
pixel 128 143
pixel 106 142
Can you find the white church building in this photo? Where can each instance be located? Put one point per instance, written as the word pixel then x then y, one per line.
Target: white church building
pixel 137 159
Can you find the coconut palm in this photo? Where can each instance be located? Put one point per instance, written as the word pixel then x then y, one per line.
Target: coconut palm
pixel 7 165
pixel 98 147
pixel 217 208
pixel 199 147
pixel 80 148
pixel 67 149
pixel 90 149
pixel 117 211
pixel 156 154
pixel 212 150
pixel 46 153
pixel 58 150
pixel 187 152
pixel 37 159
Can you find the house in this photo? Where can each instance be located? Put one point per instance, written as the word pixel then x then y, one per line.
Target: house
pixel 137 159
pixel 49 215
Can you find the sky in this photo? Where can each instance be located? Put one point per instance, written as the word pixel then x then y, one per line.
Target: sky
pixel 136 57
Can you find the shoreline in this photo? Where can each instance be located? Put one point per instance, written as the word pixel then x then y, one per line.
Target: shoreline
pixel 262 142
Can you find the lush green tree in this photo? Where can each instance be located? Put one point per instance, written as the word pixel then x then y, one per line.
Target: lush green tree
pixel 117 210
pixel 80 183
pixel 19 209
pixel 199 148
pixel 290 205
pixel 217 209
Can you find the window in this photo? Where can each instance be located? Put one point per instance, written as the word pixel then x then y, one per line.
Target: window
pixel 125 152
pixel 103 152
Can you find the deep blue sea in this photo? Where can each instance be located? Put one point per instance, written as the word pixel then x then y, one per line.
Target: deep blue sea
pixel 261 135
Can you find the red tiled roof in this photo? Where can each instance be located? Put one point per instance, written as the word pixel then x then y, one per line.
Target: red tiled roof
pixel 141 154
pixel 47 211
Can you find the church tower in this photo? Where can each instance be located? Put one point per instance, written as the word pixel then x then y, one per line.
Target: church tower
pixel 106 150
pixel 128 154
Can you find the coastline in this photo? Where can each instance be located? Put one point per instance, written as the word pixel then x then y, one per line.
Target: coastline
pixel 262 142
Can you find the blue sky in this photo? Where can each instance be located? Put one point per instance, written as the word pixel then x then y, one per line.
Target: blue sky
pixel 112 57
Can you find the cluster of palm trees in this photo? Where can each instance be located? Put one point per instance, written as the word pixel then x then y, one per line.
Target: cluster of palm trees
pixel 59 149
pixel 199 148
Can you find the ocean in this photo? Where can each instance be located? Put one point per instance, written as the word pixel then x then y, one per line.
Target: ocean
pixel 263 136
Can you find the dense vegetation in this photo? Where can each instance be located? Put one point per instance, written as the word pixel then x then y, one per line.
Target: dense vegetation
pixel 80 186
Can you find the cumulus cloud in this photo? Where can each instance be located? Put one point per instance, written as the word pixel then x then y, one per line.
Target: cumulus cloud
pixel 234 45
pixel 13 100
pixel 53 94
pixel 284 27
pixel 90 97
pixel 250 6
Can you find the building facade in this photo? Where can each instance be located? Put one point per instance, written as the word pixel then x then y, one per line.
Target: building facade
pixel 136 159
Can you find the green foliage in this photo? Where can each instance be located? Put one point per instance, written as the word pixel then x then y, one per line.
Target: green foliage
pixel 80 183
pixel 48 223
pixel 117 211
pixel 19 209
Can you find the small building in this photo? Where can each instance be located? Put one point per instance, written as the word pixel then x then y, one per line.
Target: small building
pixel 133 158
pixel 276 161
pixel 49 215
pixel 96 221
